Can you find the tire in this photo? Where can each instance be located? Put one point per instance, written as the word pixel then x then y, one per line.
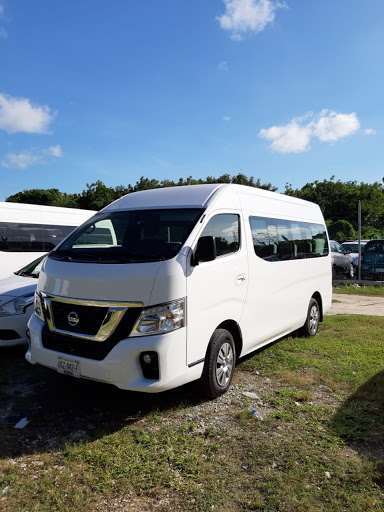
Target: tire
pixel 219 364
pixel 333 272
pixel 351 272
pixel 311 325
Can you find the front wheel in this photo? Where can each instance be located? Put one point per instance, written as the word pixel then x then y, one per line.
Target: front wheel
pixel 351 271
pixel 219 364
pixel 312 321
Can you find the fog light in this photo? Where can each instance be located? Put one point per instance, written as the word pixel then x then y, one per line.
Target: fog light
pixel 149 362
pixel 147 358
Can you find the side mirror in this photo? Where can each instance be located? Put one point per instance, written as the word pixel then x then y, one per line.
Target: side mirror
pixel 205 250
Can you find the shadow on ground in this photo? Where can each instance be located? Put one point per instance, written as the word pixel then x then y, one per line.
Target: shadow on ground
pixel 64 410
pixel 360 422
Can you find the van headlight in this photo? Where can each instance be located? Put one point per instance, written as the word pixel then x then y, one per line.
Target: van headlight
pixel 160 319
pixel 39 306
pixel 16 306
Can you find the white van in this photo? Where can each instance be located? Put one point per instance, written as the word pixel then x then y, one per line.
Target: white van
pixel 167 286
pixel 28 231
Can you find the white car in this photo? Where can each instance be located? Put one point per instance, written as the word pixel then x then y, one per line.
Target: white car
pixel 352 248
pixel 16 303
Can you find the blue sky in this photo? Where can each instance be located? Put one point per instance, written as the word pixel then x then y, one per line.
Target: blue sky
pixel 283 91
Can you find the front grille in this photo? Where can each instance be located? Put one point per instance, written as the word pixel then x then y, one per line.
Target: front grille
pixel 90 349
pixel 90 317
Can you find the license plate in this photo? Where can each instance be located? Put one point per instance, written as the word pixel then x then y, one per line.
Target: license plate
pixel 68 366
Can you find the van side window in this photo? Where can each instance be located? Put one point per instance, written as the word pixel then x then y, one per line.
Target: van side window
pixel 281 240
pixel 225 228
pixel 19 237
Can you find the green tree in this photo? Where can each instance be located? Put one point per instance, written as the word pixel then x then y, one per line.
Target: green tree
pixel 47 197
pixel 96 196
pixel 341 230
pixel 339 200
pixel 146 184
pixel 369 232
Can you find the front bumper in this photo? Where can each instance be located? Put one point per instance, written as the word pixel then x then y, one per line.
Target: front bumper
pixel 121 367
pixel 17 324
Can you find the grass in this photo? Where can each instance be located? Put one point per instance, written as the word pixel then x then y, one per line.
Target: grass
pixel 354 289
pixel 319 446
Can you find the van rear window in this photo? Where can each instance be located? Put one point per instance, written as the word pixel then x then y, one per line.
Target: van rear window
pixel 282 240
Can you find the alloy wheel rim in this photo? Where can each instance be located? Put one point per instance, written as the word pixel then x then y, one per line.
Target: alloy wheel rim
pixel 224 364
pixel 313 319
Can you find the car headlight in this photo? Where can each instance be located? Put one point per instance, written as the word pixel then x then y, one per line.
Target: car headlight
pixel 39 306
pixel 16 306
pixel 160 319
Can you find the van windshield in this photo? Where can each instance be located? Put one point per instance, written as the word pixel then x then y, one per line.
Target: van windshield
pixel 134 236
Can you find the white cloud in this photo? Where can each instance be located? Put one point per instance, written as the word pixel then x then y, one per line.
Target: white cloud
pixel 332 126
pixel 27 159
pixel 20 115
pixel 55 151
pixel 20 160
pixel 223 66
pixel 296 136
pixel 1 9
pixel 292 138
pixel 226 118
pixel 242 16
pixel 369 131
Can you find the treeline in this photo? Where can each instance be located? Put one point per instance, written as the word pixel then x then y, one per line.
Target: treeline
pixel 339 203
pixel 97 195
pixel 338 200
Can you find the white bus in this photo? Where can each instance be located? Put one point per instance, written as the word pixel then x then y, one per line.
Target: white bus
pixel 167 286
pixel 28 231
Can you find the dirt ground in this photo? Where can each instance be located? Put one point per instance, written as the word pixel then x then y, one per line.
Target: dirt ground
pixel 356 305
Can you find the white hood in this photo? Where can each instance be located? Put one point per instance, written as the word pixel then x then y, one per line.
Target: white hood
pixel 126 282
pixel 16 286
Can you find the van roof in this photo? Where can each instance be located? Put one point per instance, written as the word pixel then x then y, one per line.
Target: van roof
pixel 188 196
pixel 222 194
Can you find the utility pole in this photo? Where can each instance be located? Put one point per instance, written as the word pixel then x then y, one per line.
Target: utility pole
pixel 359 230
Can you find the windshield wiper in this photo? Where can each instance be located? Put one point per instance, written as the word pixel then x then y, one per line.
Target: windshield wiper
pixel 72 255
pixel 22 274
pixel 63 254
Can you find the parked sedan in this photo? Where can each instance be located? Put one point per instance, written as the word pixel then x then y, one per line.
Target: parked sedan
pixel 342 262
pixel 352 248
pixel 16 299
pixel 372 260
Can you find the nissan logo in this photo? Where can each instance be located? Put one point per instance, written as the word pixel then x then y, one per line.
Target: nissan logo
pixel 73 318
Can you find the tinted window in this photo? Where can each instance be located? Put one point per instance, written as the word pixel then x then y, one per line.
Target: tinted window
pixel 281 240
pixel 129 236
pixel 226 232
pixel 374 246
pixel 336 247
pixel 21 237
pixel 351 247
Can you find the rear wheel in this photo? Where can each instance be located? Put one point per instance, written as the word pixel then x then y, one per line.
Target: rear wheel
pixel 311 325
pixel 219 364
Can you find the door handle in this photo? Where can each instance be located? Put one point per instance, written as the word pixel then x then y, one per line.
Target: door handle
pixel 240 279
